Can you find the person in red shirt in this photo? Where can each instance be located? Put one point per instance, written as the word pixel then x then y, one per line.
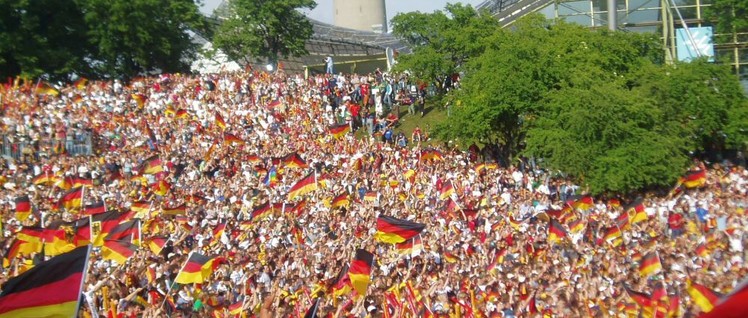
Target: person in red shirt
pixel 676 223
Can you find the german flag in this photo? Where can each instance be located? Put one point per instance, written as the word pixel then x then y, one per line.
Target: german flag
pixel 152 165
pixel 643 300
pixel 97 207
pixel 262 212
pixel 80 228
pixel 580 202
pixel 446 191
pixel 701 250
pixel 410 246
pixel 56 243
pixel 71 200
pixel 80 84
pixel 611 234
pixel 23 207
pixel 102 224
pixel 140 207
pixel 556 231
pixel 80 182
pixel 218 231
pixel 182 114
pixel 236 309
pixel 294 160
pixel 392 230
pixel 139 99
pixel 635 210
pixel 229 139
pixel 303 186
pixel 360 271
pixel 342 200
pixel 118 250
pixel 614 203
pixel 650 264
pixel 194 198
pixel 410 175
pixel 693 179
pixel 622 221
pixel 128 231
pixel 59 280
pixel 450 258
pixel 64 183
pixel 33 238
pixel 340 130
pixel 44 179
pixel 150 274
pixel 702 296
pixel 161 188
pixel 220 122
pixel 733 305
pixel 196 270
pixel 576 226
pixel 45 88
pixel 177 210
pixel 370 196
pixel 431 154
pixel 342 283
pixel 156 244
pixel 13 252
pixel 169 111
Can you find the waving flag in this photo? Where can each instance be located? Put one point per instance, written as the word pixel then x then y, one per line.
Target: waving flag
pixel 393 230
pixel 702 296
pixel 303 186
pixel 556 231
pixel 338 131
pixel 650 265
pixel 23 207
pixel 196 270
pixel 220 122
pixel 360 271
pixel 49 289
pixel 118 251
pixel 694 179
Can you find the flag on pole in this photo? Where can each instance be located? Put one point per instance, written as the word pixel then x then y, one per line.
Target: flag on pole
pixel 49 289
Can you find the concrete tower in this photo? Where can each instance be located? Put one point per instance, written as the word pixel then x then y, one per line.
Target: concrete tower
pixel 364 15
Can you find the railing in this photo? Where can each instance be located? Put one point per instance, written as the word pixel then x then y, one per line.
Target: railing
pixel 17 148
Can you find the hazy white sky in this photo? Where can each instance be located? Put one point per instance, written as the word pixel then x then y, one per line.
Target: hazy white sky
pixel 323 12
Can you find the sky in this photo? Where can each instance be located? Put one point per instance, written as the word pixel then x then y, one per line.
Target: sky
pixel 324 12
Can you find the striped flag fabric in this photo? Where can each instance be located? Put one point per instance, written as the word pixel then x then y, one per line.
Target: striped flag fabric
pixel 196 269
pixel 102 224
pixel 342 283
pixel 161 188
pixel 81 182
pixel 97 207
pixel 733 305
pixel 182 114
pixel 230 139
pixel 262 212
pixel 703 297
pixel 643 300
pixel 220 122
pixel 431 154
pixel 582 202
pixel 303 186
pixel 294 160
pixel 118 250
pixel 650 265
pixel 152 165
pixel 446 191
pixel 80 84
pixel 556 231
pixel 360 271
pixel 71 200
pixel 59 280
pixel 23 207
pixel 236 309
pixel 340 130
pixel 44 179
pixel 176 210
pixel 411 246
pixel 44 88
pixel 635 210
pixel 693 179
pixel 139 99
pixel 342 200
pixel 156 244
pixel 393 230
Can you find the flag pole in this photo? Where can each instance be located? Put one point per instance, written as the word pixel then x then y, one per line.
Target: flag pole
pixel 168 288
pixel 83 277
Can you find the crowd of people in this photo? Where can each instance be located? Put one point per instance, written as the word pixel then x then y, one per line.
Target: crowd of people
pixel 500 240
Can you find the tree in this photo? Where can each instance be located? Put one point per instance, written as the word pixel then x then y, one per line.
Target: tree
pixel 268 29
pixel 730 18
pixel 42 37
pixel 443 41
pixel 135 37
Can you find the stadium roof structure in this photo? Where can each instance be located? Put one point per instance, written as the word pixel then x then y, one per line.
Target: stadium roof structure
pixel 353 50
pixel 507 11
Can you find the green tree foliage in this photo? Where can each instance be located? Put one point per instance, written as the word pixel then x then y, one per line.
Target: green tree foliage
pixel 42 37
pixel 730 17
pixel 442 41
pixel 264 29
pixel 96 38
pixel 140 36
pixel 596 105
